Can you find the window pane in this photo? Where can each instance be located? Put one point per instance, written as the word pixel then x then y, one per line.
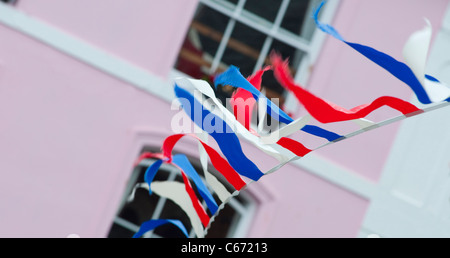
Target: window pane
pixel 269 83
pixel 118 231
pixel 225 221
pixel 242 200
pixel 161 175
pixel 201 42
pixel 8 1
pixel 141 208
pixel 233 1
pixel 293 54
pixel 266 9
pixel 173 211
pixel 297 19
pixel 243 48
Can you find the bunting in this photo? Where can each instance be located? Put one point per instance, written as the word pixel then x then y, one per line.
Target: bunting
pixel 229 127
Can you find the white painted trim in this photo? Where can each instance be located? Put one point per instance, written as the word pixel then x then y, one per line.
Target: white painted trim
pixel 394 213
pixel 241 228
pixel 261 27
pixel 446 21
pixel 222 46
pixel 126 224
pixel 390 216
pixel 310 58
pixel 318 39
pixel 85 52
pixel 268 41
pixel 338 175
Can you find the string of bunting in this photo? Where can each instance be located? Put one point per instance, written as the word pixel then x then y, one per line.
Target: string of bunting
pixel 234 165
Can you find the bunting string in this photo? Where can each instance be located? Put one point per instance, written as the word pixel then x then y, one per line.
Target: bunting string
pixel 228 128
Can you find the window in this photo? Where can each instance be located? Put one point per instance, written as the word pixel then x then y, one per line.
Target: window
pixel 8 1
pixel 232 221
pixel 243 33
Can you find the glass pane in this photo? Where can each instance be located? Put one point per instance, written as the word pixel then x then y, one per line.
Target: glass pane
pixel 227 4
pixel 173 211
pixel 241 199
pixel 141 208
pixel 274 90
pixel 297 19
pixel 201 42
pixel 243 48
pixel 233 1
pixel 223 223
pixel 289 52
pixel 266 9
pixel 118 231
pixel 161 175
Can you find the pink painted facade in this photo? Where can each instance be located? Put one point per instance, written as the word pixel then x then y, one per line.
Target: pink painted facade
pixel 69 132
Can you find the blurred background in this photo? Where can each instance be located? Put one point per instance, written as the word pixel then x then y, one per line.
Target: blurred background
pixel 87 86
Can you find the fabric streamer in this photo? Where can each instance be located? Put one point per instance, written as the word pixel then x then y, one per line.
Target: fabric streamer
pixel 151 172
pixel 247 101
pixel 151 224
pixel 148 155
pixel 183 164
pixel 221 191
pixel 228 142
pixel 182 161
pixel 188 187
pixel 327 112
pixel 296 147
pixel 233 77
pixel 204 218
pixel 211 180
pixel 286 130
pixel 415 51
pixel 273 138
pixel 229 128
pixel 177 193
pixel 241 100
pixel 216 160
pixel 229 118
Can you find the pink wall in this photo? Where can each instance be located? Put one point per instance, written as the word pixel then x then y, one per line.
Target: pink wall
pixel 69 133
pixel 148 37
pixel 295 203
pixel 345 77
pixel 63 135
pixel 66 128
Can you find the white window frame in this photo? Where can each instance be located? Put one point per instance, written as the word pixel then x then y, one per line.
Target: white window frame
pixel 11 2
pixel 272 31
pixel 238 229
